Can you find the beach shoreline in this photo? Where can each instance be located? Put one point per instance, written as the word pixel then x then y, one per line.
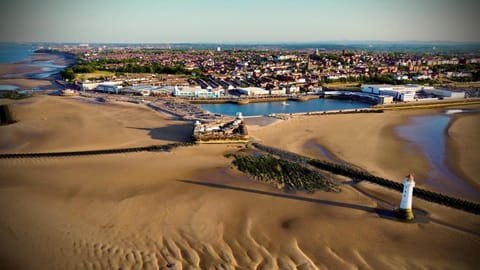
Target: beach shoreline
pixel 22 74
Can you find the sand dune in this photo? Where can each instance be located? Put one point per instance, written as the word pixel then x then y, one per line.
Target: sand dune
pixel 190 209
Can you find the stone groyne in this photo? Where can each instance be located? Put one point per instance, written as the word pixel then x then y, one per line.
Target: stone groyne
pixel 151 148
pixel 361 175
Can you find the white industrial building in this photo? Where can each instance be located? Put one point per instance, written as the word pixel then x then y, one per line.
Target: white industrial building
pixel 253 91
pixel 444 93
pixel 140 90
pixel 109 87
pixel 408 92
pixel 292 89
pixel 378 99
pixel 197 92
pixel 278 92
pixel 89 85
pixel 398 92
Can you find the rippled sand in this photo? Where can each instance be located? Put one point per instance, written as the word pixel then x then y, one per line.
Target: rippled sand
pixel 190 209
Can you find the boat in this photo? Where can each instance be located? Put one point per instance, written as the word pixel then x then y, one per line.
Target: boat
pixel 285 103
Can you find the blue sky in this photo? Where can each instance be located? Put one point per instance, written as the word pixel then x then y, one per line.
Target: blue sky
pixel 170 21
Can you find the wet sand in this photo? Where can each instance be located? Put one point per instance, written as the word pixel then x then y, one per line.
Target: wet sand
pixel 190 209
pixel 22 71
pixel 28 84
pixel 364 140
pixel 463 146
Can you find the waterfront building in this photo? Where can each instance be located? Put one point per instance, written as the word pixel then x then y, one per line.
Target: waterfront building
pixel 444 93
pixel 139 90
pixel 398 92
pixel 278 92
pixel 109 87
pixel 253 91
pixel 88 85
pixel 197 92
pixel 292 89
pixel 410 92
pixel 365 97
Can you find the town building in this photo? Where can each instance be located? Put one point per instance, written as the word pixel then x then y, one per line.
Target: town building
pixel 197 92
pixel 444 93
pixel 398 92
pixel 410 92
pixel 253 91
pixel 109 87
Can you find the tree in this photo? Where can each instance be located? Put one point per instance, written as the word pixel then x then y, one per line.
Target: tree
pixel 68 74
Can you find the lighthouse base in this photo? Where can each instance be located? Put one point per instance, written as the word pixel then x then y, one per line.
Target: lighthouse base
pixel 405 214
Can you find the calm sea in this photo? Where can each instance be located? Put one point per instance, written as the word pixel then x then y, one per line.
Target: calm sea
pixel 12 53
pixel 266 108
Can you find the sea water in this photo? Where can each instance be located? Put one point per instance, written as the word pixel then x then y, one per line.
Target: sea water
pixel 428 133
pixel 13 52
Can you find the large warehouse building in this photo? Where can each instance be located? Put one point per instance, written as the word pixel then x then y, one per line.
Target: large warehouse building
pixel 410 92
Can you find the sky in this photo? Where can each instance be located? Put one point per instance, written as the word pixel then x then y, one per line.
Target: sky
pixel 238 21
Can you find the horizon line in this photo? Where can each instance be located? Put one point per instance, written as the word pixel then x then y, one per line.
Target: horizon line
pixel 337 42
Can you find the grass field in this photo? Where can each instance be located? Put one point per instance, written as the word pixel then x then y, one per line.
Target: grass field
pixel 96 74
pixel 342 85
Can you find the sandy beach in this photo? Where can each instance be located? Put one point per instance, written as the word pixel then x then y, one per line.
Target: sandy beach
pixel 370 142
pixel 191 209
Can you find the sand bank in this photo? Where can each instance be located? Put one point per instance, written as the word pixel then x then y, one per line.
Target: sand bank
pixel 364 140
pixel 464 147
pixel 18 68
pixel 19 74
pixel 28 84
pixel 190 209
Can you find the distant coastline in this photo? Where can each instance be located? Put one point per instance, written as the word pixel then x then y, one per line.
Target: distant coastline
pixel 30 69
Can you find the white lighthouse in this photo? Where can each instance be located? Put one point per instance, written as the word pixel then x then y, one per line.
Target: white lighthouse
pixel 405 211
